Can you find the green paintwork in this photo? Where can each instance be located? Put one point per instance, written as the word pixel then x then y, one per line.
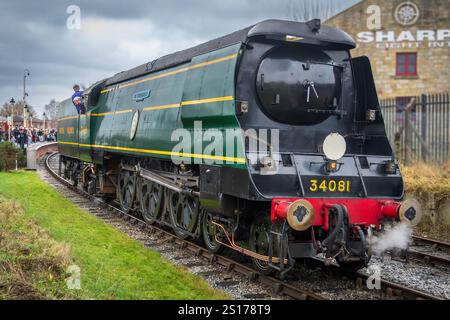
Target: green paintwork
pixel 67 109
pixel 155 127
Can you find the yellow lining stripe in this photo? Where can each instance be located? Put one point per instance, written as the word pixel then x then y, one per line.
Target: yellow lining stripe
pixel 101 114
pixel 167 106
pixel 71 117
pixel 124 111
pixel 161 152
pixel 195 66
pixel 112 112
pixel 227 98
pixel 98 114
pixel 187 103
pixel 69 143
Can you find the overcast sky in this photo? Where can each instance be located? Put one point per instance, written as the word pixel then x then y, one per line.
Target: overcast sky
pixel 116 35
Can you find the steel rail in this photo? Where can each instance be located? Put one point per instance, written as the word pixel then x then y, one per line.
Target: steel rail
pixel 432 242
pixel 429 257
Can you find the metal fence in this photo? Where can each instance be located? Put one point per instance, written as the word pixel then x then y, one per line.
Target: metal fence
pixel 418 127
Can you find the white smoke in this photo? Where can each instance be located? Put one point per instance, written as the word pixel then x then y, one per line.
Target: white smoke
pixel 397 237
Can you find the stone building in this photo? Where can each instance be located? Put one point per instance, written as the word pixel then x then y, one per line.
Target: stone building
pixel 408 43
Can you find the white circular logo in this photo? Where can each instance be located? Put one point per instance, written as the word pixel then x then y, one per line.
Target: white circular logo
pixel 406 13
pixel 134 124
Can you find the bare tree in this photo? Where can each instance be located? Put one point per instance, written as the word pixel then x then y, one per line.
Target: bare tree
pixel 51 111
pixel 7 109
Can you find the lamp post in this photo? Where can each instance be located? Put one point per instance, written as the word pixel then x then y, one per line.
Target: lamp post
pixel 26 73
pixel 43 115
pixel 12 102
pixel 25 116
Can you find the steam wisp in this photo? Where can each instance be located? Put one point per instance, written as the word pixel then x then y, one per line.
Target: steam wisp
pixel 397 237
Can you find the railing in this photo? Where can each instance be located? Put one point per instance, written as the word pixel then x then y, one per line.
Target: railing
pixel 36 150
pixel 418 127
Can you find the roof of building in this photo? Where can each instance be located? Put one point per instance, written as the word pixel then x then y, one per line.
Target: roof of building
pixel 18 118
pixel 268 28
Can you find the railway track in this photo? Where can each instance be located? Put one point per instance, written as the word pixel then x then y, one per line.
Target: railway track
pixel 425 249
pixel 437 244
pixel 389 290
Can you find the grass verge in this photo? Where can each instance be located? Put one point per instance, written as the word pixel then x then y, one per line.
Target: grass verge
pixel 112 266
pixel 29 258
pixel 422 179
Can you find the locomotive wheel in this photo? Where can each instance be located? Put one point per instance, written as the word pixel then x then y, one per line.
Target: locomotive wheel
pixel 74 178
pixel 209 234
pixel 184 211
pixel 151 197
pixel 126 189
pixel 89 184
pixel 259 243
pixel 60 166
pixel 70 172
pixel 74 174
pixel 63 167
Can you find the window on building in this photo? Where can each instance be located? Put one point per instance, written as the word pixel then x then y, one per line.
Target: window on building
pixel 406 64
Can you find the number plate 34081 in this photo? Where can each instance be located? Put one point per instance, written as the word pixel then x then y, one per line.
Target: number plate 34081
pixel 316 185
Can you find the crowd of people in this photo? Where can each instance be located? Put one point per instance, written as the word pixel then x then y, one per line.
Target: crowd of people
pixel 23 137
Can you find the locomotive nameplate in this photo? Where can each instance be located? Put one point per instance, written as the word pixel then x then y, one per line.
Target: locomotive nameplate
pixel 141 95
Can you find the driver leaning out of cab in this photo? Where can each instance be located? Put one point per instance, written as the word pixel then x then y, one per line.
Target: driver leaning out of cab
pixel 78 99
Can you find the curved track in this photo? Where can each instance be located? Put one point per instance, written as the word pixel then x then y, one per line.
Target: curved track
pixel 389 290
